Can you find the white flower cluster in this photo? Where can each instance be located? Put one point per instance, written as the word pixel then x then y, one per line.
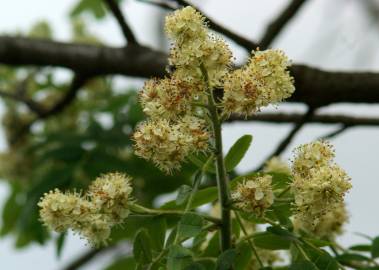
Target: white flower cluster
pixel 167 144
pixel 319 185
pixel 254 195
pixel 264 80
pixel 93 214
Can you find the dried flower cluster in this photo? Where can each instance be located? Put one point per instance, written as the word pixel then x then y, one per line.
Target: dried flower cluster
pixel 93 214
pixel 254 195
pixel 319 185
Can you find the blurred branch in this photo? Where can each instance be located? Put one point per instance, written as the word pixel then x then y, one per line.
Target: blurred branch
pixel 286 118
pixel 288 139
pixel 240 40
pixel 128 33
pixel 335 133
pixel 31 104
pixel 277 25
pixel 314 87
pixel 87 257
pixel 77 82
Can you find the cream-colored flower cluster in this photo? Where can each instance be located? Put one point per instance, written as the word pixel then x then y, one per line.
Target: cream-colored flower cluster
pixel 319 185
pixel 254 195
pixel 276 165
pixel 176 128
pixel 264 80
pixel 167 144
pixel 195 46
pixel 93 214
pixel 329 225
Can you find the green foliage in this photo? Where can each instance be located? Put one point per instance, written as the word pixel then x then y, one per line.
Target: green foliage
pixel 237 152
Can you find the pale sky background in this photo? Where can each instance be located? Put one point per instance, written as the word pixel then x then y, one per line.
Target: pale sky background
pixel 334 34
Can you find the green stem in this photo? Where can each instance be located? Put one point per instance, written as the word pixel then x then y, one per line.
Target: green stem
pixel 252 246
pixel 301 250
pixel 222 178
pixel 284 192
pixel 139 209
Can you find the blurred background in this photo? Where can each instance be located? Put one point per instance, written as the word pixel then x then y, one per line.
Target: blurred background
pixel 333 35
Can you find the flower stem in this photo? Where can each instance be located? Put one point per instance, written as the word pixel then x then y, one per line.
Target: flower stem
pixel 139 209
pixel 222 178
pixel 251 243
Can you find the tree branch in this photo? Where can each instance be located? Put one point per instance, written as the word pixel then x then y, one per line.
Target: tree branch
pixel 334 133
pixel 87 257
pixel 77 82
pixel 285 118
pixel 31 104
pixel 314 87
pixel 276 26
pixel 128 33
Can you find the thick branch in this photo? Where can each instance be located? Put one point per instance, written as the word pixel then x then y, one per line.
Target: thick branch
pixel 276 26
pixel 128 33
pixel 133 60
pixel 285 118
pixel 314 87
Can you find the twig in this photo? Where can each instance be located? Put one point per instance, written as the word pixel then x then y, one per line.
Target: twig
pixel 240 40
pixel 251 243
pixel 288 139
pixel 276 26
pixel 128 33
pixel 86 257
pixel 77 82
pixel 334 133
pixel 284 118
pixel 31 104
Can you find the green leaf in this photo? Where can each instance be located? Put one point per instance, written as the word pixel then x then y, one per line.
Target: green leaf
pixel 303 265
pixel 237 152
pixel 190 225
pixel 282 233
pixel 183 194
pixel 212 250
pixel 375 248
pixel 243 257
pixel 268 240
pixel 94 7
pixel 362 248
pixel 178 258
pixel 280 180
pixel 157 232
pixel 200 198
pixel 195 266
pixel 226 259
pixel 199 160
pixel 347 258
pixel 142 247
pixel 60 243
pixel 322 259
